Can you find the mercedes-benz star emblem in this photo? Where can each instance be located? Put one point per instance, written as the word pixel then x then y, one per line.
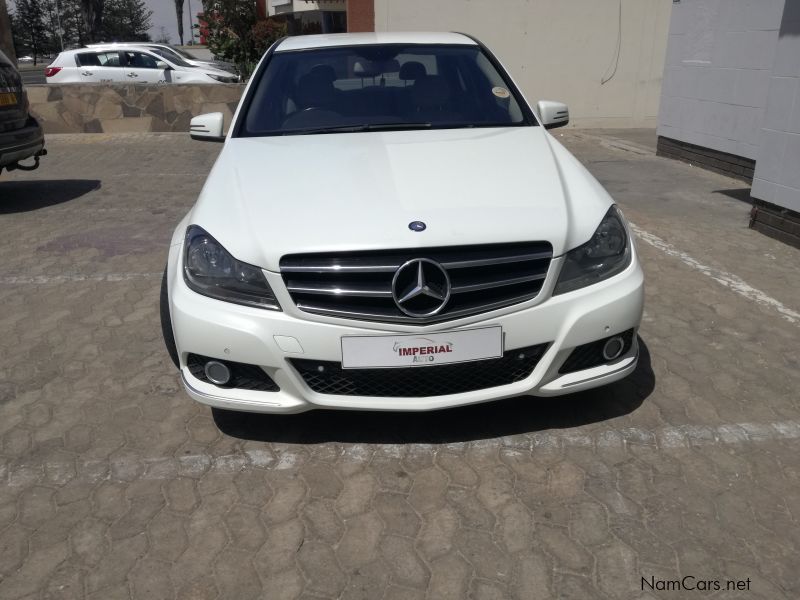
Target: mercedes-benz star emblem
pixel 421 287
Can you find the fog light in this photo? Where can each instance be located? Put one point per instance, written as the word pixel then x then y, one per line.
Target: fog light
pixel 217 372
pixel 613 348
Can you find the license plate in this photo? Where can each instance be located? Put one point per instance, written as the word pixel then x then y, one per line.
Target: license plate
pixel 8 98
pixel 387 351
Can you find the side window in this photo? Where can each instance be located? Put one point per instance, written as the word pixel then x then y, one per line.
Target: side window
pixel 108 59
pixel 139 60
pixel 88 59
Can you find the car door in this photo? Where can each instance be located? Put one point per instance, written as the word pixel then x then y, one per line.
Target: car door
pixel 142 67
pixel 98 67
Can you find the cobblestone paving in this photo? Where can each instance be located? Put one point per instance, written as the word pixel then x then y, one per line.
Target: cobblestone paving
pixel 113 484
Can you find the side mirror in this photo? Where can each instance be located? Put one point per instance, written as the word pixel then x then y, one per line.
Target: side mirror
pixel 207 128
pixel 160 64
pixel 552 114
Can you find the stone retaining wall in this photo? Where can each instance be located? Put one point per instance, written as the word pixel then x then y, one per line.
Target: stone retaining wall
pixel 99 108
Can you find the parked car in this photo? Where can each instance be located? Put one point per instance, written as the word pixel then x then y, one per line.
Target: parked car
pixel 389 225
pixel 21 136
pixel 170 51
pixel 131 64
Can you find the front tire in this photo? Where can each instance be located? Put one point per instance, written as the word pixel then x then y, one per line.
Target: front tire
pixel 166 322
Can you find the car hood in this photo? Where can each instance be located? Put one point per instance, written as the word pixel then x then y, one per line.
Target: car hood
pixel 207 69
pixel 213 65
pixel 271 196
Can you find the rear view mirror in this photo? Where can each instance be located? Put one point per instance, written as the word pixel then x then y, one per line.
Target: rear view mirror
pixel 552 114
pixel 207 128
pixel 160 64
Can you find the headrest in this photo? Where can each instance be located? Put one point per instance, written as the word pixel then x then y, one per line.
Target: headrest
pixel 315 87
pixel 412 70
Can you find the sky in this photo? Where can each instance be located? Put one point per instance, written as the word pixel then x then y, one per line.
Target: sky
pixel 164 16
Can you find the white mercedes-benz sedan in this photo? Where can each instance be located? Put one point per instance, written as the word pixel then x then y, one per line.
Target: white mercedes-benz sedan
pixel 390 226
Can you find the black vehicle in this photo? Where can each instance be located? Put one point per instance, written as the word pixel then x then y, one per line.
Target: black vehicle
pixel 21 136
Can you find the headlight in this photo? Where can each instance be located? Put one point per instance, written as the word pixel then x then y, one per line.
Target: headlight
pixel 603 256
pixel 223 78
pixel 210 270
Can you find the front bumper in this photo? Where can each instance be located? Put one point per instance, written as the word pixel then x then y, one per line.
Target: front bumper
pixel 212 328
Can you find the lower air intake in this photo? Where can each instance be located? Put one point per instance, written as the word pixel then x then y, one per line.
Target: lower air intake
pixel 326 377
pixel 591 354
pixel 243 376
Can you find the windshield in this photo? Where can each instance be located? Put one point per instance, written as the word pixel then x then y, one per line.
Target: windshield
pixel 182 53
pixel 170 56
pixel 380 87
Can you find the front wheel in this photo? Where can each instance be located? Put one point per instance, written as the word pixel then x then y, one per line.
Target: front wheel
pixel 166 322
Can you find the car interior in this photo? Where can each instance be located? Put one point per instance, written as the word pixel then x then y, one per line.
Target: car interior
pixel 98 59
pixel 337 89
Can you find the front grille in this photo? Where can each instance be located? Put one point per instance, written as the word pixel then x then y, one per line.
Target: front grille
pixel 358 285
pixel 243 376
pixel 591 354
pixel 326 377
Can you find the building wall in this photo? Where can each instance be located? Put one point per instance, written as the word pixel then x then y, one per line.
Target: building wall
pixel 777 175
pixel 289 6
pixel 360 15
pixel 574 51
pixel 716 76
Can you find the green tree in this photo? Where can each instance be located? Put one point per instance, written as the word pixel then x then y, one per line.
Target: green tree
pixel 92 12
pixel 52 20
pixel 72 23
pixel 235 33
pixel 126 21
pixel 29 27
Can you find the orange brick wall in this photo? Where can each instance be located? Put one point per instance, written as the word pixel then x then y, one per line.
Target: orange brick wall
pixel 360 15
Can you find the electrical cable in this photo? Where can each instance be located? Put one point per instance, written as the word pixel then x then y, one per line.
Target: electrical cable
pixel 615 60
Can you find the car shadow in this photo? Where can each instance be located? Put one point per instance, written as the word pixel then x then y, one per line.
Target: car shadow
pixel 523 414
pixel 33 194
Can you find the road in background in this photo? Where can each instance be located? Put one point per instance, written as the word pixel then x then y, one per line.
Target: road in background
pixel 32 74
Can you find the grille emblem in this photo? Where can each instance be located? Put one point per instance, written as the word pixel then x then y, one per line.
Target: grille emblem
pixel 421 287
pixel 417 226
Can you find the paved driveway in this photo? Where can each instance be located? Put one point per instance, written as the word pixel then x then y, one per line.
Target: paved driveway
pixel 113 484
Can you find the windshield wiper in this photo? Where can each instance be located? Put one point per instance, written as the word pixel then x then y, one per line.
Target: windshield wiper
pixel 393 126
pixel 359 128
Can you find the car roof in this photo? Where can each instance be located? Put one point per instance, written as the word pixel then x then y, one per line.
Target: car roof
pixel 105 48
pixel 99 47
pixel 126 44
pixel 326 40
